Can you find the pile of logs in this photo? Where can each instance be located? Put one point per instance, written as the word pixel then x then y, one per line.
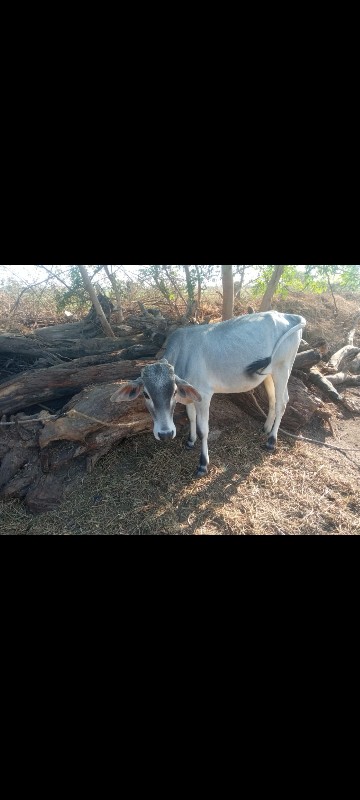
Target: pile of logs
pixel 55 412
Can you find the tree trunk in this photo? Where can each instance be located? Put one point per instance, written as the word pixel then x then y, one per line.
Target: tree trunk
pixel 272 287
pixel 199 286
pixel 228 291
pixel 190 292
pixel 90 289
pixel 115 286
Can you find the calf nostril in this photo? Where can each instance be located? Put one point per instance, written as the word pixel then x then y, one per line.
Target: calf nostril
pixel 165 436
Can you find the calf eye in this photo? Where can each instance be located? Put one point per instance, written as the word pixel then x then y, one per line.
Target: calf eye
pixel 146 395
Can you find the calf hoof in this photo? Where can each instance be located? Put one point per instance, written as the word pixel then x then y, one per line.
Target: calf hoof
pixel 189 445
pixel 271 444
pixel 201 472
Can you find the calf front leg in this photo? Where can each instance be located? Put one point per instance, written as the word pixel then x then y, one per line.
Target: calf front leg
pixel 202 413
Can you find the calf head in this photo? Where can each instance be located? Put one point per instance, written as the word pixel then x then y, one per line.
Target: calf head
pixel 161 389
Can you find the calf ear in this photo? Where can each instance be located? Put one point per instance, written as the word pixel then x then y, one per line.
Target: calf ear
pixel 186 392
pixel 128 391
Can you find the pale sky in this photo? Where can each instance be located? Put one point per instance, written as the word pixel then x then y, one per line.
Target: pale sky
pixel 28 272
pixel 32 274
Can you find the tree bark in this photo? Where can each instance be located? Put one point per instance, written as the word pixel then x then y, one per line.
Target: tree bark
pixel 228 291
pixel 272 287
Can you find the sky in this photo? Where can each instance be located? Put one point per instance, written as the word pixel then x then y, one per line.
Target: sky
pixel 28 272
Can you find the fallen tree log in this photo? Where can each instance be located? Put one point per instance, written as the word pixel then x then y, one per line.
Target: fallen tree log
pixel 354 365
pixel 324 384
pixel 339 359
pixel 26 347
pixel 29 348
pixel 37 386
pixel 90 327
pixel 307 359
pixel 344 379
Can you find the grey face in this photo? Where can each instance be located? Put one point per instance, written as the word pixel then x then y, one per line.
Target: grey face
pixel 160 393
pixel 161 389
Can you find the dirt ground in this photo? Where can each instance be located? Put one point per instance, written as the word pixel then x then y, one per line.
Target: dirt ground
pixel 144 487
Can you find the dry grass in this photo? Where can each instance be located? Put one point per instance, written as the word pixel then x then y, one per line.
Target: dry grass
pixel 144 488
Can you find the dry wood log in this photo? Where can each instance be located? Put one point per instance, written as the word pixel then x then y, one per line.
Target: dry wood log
pixel 31 348
pixel 337 379
pixel 88 328
pixel 303 346
pixel 344 379
pixel 137 352
pixel 354 366
pixel 339 359
pixel 307 359
pixel 324 384
pixel 26 347
pixel 37 386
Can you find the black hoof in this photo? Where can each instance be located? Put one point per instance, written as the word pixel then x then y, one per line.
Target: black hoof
pixel 271 444
pixel 201 472
pixel 189 445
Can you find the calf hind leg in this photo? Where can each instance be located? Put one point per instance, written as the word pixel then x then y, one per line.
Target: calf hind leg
pixel 270 389
pixel 282 399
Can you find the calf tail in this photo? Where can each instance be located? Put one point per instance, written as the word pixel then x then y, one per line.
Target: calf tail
pixel 258 366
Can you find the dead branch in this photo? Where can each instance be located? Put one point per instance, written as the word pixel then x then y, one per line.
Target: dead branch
pixel 324 384
pixel 340 358
pixel 344 379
